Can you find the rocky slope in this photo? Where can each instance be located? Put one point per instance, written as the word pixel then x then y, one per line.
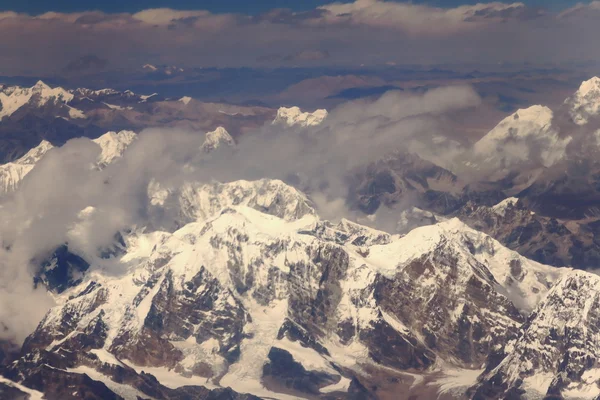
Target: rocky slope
pixel 557 352
pixel 548 240
pixel 405 179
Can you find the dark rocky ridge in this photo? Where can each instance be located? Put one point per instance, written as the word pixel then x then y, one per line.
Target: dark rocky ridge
pixel 548 240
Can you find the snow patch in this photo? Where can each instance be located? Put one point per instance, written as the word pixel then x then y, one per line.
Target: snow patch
pixel 75 113
pixel 125 391
pixel 342 386
pixel 456 381
pixel 34 394
pixel 172 379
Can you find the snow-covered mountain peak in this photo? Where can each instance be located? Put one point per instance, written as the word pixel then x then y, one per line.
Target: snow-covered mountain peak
pixel 293 116
pixel 524 122
pixel 47 93
pixel 536 113
pixel 523 136
pixel 534 121
pixel 12 173
pixel 472 249
pixel 112 98
pixel 185 100
pixel 216 138
pixel 591 86
pixel 113 145
pixel 505 204
pixel 585 102
pixel 13 98
pixel 40 85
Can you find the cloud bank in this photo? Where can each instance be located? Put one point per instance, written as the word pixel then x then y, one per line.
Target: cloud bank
pixel 369 32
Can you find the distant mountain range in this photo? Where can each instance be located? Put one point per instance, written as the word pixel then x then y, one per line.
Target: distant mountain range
pixel 30 115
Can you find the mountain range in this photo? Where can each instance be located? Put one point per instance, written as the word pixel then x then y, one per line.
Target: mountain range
pixel 242 290
pixel 31 114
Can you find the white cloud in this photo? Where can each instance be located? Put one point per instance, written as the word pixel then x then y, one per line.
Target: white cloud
pixel 365 31
pixel 166 16
pixel 580 9
pixel 415 18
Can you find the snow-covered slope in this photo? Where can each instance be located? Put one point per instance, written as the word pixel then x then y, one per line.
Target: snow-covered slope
pixel 585 103
pixel 501 207
pixel 557 352
pixel 198 201
pixel 12 173
pixel 13 98
pixel 113 145
pixel 242 285
pixel 34 155
pixel 293 116
pixel 63 103
pixel 519 277
pixel 255 292
pixel 526 135
pixel 185 100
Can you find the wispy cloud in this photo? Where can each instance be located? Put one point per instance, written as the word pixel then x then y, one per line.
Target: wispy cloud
pixel 420 19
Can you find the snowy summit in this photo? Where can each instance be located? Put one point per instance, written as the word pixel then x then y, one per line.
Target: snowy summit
pixel 585 103
pixel 294 116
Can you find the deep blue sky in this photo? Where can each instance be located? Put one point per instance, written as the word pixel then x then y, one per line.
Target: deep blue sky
pixel 242 6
